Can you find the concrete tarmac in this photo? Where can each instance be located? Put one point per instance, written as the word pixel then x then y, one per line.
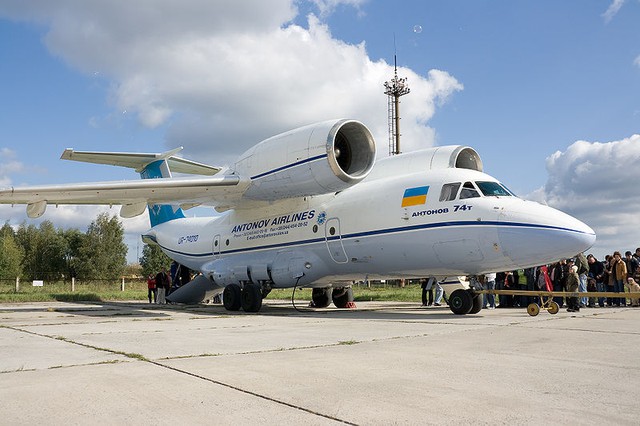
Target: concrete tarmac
pixel 382 363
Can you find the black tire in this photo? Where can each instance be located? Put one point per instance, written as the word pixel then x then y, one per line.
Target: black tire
pixel 232 297
pixel 341 296
pixel 251 298
pixel 460 302
pixel 321 297
pixel 477 302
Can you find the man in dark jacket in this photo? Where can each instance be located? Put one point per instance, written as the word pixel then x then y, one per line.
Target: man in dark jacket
pixel 632 264
pixel 596 271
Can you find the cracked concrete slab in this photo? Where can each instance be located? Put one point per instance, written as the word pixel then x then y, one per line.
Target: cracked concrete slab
pixel 382 363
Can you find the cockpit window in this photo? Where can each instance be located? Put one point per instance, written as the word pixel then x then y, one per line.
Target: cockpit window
pixel 449 191
pixel 493 189
pixel 468 191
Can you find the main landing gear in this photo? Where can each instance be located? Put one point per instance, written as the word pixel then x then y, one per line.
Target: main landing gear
pixel 342 297
pixel 249 297
pixel 462 302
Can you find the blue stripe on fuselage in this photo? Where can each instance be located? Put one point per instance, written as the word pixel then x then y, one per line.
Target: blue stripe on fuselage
pixel 380 232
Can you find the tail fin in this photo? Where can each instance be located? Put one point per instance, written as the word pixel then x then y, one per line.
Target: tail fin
pixel 160 213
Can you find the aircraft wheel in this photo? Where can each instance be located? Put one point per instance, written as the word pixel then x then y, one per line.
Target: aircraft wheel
pixel 460 302
pixel 321 297
pixel 251 298
pixel 533 309
pixel 553 308
pixel 341 296
pixel 478 301
pixel 232 297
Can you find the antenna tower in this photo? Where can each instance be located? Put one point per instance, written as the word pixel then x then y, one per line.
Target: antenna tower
pixel 395 88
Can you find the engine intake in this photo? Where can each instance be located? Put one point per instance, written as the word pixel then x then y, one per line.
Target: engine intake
pixel 316 159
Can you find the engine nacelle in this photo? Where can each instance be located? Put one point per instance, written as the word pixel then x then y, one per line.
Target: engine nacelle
pixel 441 157
pixel 317 159
pixel 454 156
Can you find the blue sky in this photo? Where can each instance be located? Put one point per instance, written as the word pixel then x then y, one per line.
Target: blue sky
pixel 545 91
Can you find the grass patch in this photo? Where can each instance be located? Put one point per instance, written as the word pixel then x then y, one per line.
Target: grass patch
pixel 135 290
pixel 92 291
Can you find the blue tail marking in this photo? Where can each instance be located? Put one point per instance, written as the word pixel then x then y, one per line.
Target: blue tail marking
pixel 160 213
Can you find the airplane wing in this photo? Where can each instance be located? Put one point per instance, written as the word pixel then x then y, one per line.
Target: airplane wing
pixel 207 188
pixel 134 196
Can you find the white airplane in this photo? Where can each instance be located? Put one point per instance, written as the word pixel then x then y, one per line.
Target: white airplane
pixel 312 208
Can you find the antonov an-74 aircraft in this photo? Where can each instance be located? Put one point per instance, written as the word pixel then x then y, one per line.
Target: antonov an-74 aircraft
pixel 312 208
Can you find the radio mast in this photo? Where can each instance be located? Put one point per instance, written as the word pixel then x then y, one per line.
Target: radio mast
pixel 395 88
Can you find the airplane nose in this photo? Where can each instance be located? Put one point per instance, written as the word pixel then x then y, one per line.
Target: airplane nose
pixel 533 234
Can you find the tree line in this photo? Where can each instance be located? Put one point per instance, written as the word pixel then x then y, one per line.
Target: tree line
pixel 51 254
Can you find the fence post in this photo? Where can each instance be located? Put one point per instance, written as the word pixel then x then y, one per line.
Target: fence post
pixel 73 284
pixel 122 286
pixel 17 284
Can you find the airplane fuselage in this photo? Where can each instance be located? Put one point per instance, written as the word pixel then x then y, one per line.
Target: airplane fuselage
pixel 378 229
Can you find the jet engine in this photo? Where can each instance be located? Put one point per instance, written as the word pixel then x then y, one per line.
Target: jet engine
pixel 317 159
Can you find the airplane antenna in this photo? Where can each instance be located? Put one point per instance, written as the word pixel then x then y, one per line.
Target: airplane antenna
pixel 395 88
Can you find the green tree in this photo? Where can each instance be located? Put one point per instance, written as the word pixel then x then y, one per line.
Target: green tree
pixel 43 249
pixel 102 253
pixel 153 260
pixel 10 254
pixel 73 241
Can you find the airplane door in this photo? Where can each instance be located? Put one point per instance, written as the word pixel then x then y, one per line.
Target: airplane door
pixel 216 246
pixel 333 238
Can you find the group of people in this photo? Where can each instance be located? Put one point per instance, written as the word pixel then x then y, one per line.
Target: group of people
pixel 158 287
pixel 163 283
pixel 581 274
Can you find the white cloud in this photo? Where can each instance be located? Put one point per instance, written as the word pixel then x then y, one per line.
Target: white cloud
pixel 612 10
pixel 636 62
pixel 599 183
pixel 224 75
pixel 8 166
pixel 327 7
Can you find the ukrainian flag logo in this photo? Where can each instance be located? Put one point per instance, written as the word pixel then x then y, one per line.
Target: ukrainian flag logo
pixel 415 196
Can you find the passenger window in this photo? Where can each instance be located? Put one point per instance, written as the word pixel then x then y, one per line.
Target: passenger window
pixel 468 191
pixel 449 191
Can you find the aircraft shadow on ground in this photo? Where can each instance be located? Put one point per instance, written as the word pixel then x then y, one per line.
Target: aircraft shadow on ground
pixel 141 310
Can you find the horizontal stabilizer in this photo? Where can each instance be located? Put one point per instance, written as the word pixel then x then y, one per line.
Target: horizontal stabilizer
pixel 139 161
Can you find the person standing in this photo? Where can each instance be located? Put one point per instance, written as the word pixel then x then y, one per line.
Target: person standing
pixel 632 264
pixel 162 282
pixel 596 271
pixel 573 283
pixel 151 286
pixel 490 284
pixel 619 272
pixel 439 292
pixel 608 277
pixel 558 278
pixel 583 268
pixel 426 287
